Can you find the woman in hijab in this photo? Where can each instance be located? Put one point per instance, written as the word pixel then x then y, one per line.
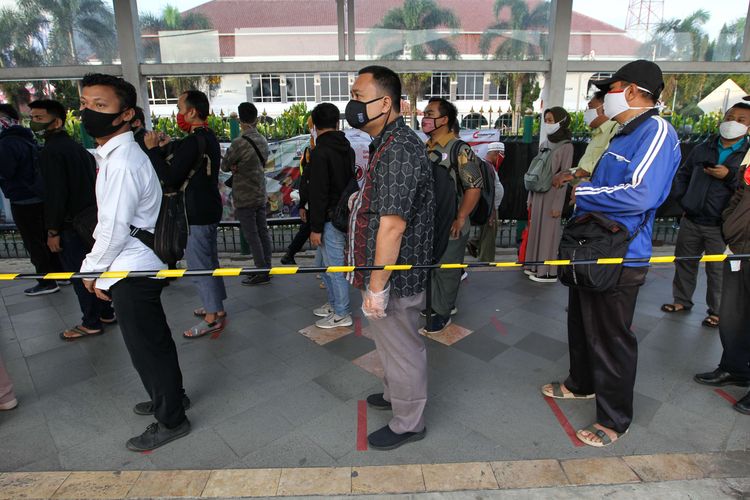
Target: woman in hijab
pixel 546 208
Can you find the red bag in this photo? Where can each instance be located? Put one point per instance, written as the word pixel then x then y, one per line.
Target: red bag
pixel 524 240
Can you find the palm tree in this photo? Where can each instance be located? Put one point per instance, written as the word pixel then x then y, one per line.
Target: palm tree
pixel 171 19
pixel 75 25
pixel 410 32
pixel 21 40
pixel 670 39
pixel 728 47
pixel 512 37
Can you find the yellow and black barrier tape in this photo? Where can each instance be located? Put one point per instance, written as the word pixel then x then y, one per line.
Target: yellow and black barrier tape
pixel 286 270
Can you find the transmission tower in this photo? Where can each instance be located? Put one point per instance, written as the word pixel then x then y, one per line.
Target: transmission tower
pixel 644 15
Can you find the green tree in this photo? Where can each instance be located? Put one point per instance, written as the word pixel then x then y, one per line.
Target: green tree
pixel 21 40
pixel 679 39
pixel 728 47
pixel 75 25
pixel 412 35
pixel 171 19
pixel 512 37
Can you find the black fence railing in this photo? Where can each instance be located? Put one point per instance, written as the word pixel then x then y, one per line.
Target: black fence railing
pixel 283 230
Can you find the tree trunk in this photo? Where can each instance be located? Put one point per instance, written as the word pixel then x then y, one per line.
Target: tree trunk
pixel 517 101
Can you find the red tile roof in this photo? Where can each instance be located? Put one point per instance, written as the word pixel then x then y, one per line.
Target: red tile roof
pixel 475 15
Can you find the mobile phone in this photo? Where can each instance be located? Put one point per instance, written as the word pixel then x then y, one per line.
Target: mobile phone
pixel 708 164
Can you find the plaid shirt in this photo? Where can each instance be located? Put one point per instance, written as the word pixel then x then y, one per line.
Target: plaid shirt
pixel 398 181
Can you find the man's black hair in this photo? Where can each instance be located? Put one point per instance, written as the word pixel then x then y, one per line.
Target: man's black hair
pixel 447 109
pixel 247 112
pixel 53 108
pixel 388 81
pixel 325 115
pixel 198 101
pixel 598 95
pixel 741 105
pixel 124 90
pixel 139 115
pixel 9 111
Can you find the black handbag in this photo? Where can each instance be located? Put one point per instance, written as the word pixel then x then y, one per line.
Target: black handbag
pixel 339 215
pixel 84 224
pixel 590 237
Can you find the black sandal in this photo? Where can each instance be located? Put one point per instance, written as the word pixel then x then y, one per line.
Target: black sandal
pixel 711 321
pixel 672 308
pixel 80 333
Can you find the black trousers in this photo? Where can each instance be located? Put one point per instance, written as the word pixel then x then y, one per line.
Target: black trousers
pixel 29 220
pixel 735 321
pixel 73 253
pixel 603 349
pixel 299 239
pixel 144 328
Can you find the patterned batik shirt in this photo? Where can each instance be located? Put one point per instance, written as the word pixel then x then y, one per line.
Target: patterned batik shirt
pixel 398 181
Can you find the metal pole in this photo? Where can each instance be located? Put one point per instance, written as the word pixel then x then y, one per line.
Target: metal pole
pixel 129 42
pixel 559 36
pixel 340 14
pixel 746 40
pixel 351 26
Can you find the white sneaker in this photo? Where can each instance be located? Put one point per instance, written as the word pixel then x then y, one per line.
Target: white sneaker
pixel 464 276
pixel 543 279
pixel 323 311
pixel 335 321
pixel 528 272
pixel 9 405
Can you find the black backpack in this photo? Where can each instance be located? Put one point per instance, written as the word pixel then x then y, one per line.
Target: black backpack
pixel 339 215
pixel 486 204
pixel 446 206
pixel 169 239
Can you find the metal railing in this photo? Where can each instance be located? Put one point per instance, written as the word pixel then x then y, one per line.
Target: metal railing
pixel 283 230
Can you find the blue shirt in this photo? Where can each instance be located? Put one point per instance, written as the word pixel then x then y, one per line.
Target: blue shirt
pixel 725 152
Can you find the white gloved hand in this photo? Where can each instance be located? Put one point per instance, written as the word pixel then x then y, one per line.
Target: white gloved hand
pixel 374 304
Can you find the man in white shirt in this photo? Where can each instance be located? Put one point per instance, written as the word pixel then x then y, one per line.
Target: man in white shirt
pixel 128 194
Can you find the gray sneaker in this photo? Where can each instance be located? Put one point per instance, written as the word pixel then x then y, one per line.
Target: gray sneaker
pixel 334 321
pixel 323 311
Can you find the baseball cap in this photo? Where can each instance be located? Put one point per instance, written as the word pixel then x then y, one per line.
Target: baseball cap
pixel 496 146
pixel 643 73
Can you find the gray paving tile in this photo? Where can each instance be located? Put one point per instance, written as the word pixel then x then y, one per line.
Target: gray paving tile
pixel 335 431
pixel 43 321
pixel 350 347
pixel 543 346
pixel 547 326
pixel 249 361
pixel 304 403
pixel 104 452
pixel 683 425
pixel 292 450
pixel 481 344
pixel 253 429
pixel 28 305
pixel 198 450
pixel 10 349
pixel 346 382
pixel 26 446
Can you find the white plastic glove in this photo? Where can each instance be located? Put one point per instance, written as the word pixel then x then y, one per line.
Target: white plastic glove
pixel 375 303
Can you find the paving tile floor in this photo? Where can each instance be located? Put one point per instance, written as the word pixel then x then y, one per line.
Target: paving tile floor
pixel 266 396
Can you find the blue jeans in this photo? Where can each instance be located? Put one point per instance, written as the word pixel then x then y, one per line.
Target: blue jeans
pixel 332 252
pixel 202 253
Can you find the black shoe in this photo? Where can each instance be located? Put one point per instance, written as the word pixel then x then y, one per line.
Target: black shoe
pixel 743 405
pixel 719 378
pixel 437 324
pixel 288 260
pixel 37 290
pixel 147 407
pixel 386 439
pixel 257 279
pixel 378 402
pixel 157 435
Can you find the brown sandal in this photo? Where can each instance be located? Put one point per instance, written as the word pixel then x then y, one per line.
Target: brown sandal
pixel 79 333
pixel 711 321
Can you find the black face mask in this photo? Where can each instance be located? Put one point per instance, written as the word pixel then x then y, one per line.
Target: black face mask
pixel 356 113
pixel 98 124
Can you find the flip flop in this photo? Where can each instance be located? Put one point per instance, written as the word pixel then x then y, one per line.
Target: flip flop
pixel 556 392
pixel 203 328
pixel 80 333
pixel 603 436
pixel 672 308
pixel 711 321
pixel 201 312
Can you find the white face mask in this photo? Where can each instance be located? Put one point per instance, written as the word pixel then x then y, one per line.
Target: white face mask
pixel 314 134
pixel 616 103
pixel 732 129
pixel 550 128
pixel 590 115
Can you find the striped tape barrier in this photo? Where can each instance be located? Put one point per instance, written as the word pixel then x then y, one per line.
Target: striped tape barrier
pixel 286 270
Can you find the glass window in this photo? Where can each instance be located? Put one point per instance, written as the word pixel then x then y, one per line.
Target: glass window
pixel 452 29
pixel 239 31
pixel 334 86
pixel 440 85
pixel 498 88
pixel 657 30
pixel 40 36
pixel 300 87
pixel 470 87
pixel 266 88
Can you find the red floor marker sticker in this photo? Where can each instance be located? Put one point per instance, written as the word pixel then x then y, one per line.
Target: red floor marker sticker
pixel 498 326
pixel 726 396
pixel 564 422
pixel 361 425
pixel 358 327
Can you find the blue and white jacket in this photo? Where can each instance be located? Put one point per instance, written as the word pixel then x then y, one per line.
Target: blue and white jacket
pixel 633 178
